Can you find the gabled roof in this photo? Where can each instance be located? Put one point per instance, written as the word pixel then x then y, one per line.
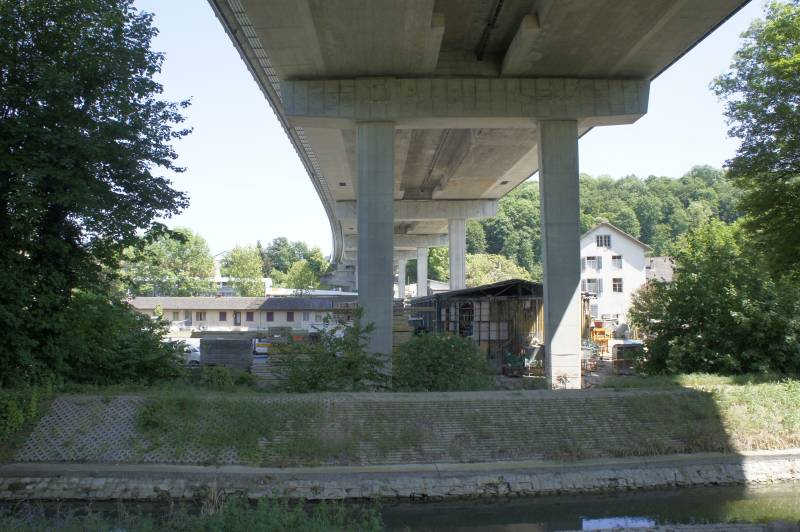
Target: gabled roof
pixel 620 231
pixel 510 287
pixel 238 303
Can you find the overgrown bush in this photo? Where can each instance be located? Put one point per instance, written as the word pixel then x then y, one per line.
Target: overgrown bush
pixel 440 362
pixel 18 406
pixel 723 313
pixel 234 515
pixel 217 377
pixel 110 343
pixel 339 361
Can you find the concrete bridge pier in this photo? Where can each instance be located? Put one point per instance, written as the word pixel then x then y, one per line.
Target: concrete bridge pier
pixel 558 186
pixel 401 278
pixel 375 209
pixel 457 231
pixel 422 272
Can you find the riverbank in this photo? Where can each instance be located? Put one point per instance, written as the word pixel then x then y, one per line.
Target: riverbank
pixel 159 482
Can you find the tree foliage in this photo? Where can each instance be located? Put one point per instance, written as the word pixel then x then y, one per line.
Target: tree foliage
pixel 82 131
pixel 242 265
pixel 723 313
pixel 301 276
pixel 485 269
pixel 762 95
pixel 177 263
pixel 657 210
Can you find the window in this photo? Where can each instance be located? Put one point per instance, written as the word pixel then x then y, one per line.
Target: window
pixel 290 316
pixel 305 316
pixel 176 316
pixel 237 318
pixel 223 316
pixel 616 284
pixel 318 317
pixel 200 316
pixel 187 315
pixel 594 263
pixel 594 286
pixel 270 316
pixel 616 260
pixel 604 241
pixel 594 310
pixel 248 316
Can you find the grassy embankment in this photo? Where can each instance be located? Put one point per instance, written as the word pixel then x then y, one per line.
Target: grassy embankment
pixel 687 414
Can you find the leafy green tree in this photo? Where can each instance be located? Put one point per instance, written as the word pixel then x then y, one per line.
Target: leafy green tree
pixel 476 237
pixel 281 253
pixel 762 95
pixel 316 261
pixel 178 263
pixel 485 269
pixel 439 264
pixel 83 131
pixel 243 266
pixel 723 312
pixel 302 276
pixel 440 363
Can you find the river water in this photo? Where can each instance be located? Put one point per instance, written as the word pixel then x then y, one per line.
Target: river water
pixel 779 503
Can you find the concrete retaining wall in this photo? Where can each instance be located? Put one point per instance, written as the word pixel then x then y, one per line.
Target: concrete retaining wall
pixel 434 481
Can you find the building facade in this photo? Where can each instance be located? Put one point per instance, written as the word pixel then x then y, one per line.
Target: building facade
pixel 613 266
pixel 234 314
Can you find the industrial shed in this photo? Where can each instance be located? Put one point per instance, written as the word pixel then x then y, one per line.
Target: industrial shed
pixel 503 317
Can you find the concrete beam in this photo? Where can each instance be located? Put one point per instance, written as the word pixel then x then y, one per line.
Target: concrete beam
pixel 404 242
pixel 351 256
pixel 522 54
pixel 419 210
pixel 463 102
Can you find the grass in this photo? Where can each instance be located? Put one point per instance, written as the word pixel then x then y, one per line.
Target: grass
pixel 701 381
pixel 236 515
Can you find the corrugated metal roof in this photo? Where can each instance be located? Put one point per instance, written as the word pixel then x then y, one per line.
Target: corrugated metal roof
pixel 238 303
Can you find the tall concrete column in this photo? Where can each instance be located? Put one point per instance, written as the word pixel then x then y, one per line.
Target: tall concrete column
pixel 401 278
pixel 422 272
pixel 457 230
pixel 558 189
pixel 375 204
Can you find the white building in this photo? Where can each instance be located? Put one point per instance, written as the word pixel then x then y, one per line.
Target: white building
pixel 241 313
pixel 612 267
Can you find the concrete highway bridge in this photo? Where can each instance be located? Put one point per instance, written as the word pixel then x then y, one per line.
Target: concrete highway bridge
pixel 413 116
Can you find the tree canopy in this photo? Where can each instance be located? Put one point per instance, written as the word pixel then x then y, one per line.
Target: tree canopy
pixel 83 132
pixel 176 264
pixel 723 312
pixel 762 95
pixel 483 268
pixel 242 265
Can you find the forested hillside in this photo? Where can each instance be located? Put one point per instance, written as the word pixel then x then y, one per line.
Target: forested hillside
pixel 656 210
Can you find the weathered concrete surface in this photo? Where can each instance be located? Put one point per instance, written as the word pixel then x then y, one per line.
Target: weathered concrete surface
pixel 558 186
pixel 141 482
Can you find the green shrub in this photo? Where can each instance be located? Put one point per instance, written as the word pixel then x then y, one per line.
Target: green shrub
pixel 338 362
pixel 19 406
pixel 440 362
pixel 246 379
pixel 217 377
pixel 108 342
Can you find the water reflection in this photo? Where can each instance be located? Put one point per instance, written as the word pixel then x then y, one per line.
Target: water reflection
pixel 602 512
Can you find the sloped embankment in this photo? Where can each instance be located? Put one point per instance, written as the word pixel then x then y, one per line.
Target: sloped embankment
pixel 363 429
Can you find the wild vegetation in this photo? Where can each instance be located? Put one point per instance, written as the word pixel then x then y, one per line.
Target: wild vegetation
pixel 440 363
pixel 214 514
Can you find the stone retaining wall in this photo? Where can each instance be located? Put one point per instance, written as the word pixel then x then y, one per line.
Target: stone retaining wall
pixel 434 481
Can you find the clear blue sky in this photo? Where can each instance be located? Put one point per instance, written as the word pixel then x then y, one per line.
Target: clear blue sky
pixel 245 181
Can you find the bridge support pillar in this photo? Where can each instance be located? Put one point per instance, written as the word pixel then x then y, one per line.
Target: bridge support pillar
pixel 375 169
pixel 422 272
pixel 457 229
pixel 401 278
pixel 558 186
